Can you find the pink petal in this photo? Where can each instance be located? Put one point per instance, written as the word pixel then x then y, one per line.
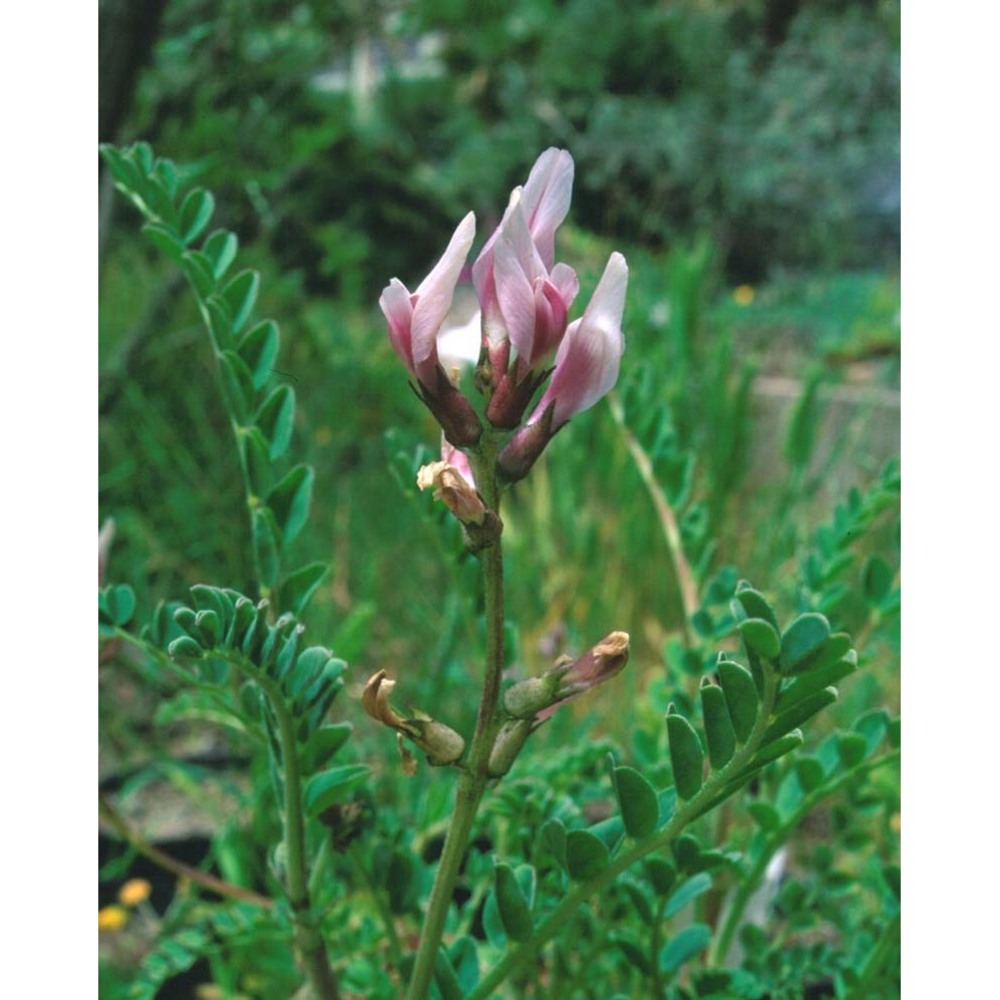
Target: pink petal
pixel 396 304
pixel 547 195
pixel 484 279
pixel 432 299
pixel 565 280
pixel 458 460
pixel 589 356
pixel 550 321
pixel 515 295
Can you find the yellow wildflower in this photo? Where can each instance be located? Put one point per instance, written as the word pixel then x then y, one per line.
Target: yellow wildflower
pixel 111 918
pixel 134 892
pixel 743 295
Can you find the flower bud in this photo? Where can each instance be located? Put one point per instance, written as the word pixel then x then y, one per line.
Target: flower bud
pixel 455 414
pixel 537 698
pixel 526 699
pixel 513 393
pixel 508 745
pixel 522 450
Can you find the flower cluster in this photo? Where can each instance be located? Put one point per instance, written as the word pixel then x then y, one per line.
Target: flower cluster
pixel 527 341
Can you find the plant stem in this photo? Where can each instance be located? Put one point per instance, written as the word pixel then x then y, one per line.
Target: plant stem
pixel 308 940
pixel 307 937
pixel 518 957
pixel 686 582
pixel 473 779
pixel 656 940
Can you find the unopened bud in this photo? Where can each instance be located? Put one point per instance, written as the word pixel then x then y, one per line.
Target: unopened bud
pixel 526 699
pixel 508 745
pixel 522 450
pixel 537 698
pixel 514 392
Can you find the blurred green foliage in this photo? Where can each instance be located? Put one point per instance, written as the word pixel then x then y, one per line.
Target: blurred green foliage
pixel 351 136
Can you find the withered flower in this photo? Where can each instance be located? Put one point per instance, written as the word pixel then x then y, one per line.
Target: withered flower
pixel 440 742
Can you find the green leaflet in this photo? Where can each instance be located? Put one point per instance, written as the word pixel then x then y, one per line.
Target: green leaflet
pixel 275 418
pixel 741 697
pixel 513 906
pixel 196 211
pixel 686 756
pixel 220 248
pixel 719 732
pixel 324 789
pixel 760 637
pixel 803 642
pixel 586 855
pixel 240 295
pixel 290 499
pixel 637 800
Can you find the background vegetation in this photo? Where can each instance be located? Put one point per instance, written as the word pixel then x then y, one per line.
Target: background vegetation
pixel 743 156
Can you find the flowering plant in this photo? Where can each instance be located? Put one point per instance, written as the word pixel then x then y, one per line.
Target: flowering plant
pixel 650 843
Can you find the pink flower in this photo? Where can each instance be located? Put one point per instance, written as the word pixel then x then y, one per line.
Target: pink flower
pixel 586 368
pixel 590 354
pixel 415 319
pixel 533 303
pixel 544 201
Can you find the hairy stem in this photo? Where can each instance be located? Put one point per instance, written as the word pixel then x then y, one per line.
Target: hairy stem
pixel 686 582
pixel 473 780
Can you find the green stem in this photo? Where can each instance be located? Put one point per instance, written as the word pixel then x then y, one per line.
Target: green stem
pixel 473 779
pixel 252 500
pixel 307 937
pixel 686 583
pixel 308 940
pixel 774 839
pixel 656 939
pixel 517 958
